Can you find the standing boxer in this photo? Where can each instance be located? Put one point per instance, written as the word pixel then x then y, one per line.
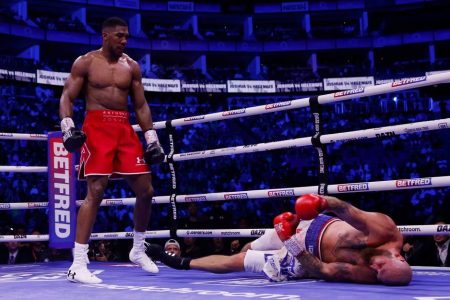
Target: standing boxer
pixel 358 246
pixel 109 144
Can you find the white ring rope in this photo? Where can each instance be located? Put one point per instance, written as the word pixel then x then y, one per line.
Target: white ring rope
pixel 23 136
pixel 355 187
pixel 399 85
pixel 24 169
pixel 325 139
pixel 291 143
pixel 94 236
pixel 389 87
pixel 226 233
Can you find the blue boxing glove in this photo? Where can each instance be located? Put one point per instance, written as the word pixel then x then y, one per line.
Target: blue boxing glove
pixel 73 138
pixel 154 154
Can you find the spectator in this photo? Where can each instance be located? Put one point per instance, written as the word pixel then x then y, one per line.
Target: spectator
pixel 191 248
pixel 172 247
pixel 16 254
pixel 428 251
pixel 39 250
pixel 101 252
pixel 442 243
pixel 219 246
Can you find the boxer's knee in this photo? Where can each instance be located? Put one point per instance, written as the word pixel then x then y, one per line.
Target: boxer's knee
pixel 235 263
pixel 141 186
pixel 146 194
pixel 96 188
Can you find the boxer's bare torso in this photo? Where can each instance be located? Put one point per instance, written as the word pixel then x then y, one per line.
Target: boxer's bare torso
pixel 106 84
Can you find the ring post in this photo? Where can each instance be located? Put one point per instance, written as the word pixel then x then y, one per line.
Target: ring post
pixel 61 193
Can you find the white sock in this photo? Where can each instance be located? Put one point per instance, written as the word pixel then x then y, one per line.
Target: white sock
pixel 138 240
pixel 80 254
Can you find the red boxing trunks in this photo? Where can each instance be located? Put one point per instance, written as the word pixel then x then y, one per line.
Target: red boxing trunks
pixel 111 147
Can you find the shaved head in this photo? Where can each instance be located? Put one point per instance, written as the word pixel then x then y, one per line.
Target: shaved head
pixel 395 272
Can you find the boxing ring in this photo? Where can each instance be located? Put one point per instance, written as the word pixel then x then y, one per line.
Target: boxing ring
pixel 48 281
pixel 427 283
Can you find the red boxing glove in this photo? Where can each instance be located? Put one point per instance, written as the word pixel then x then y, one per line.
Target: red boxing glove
pixel 309 206
pixel 285 225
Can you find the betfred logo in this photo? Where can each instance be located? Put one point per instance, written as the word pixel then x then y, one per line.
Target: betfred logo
pixel 34 135
pixel 353 187
pixel 194 118
pixel 195 198
pixel 349 92
pixel 281 193
pixel 409 81
pixel 276 105
pixel 37 204
pixel 412 182
pixel 113 202
pixel 235 196
pixel 233 112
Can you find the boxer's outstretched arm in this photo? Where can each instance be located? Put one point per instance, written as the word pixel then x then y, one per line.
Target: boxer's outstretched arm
pixel 336 271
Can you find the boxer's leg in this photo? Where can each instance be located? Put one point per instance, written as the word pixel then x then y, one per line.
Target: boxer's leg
pixel 142 187
pixel 219 263
pixel 78 271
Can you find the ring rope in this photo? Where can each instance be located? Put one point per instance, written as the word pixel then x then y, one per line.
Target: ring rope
pixel 325 139
pixel 24 169
pixel 23 136
pixel 291 143
pixel 399 85
pixel 356 187
pixel 442 229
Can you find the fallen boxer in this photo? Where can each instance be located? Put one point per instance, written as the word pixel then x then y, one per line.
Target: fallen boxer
pixel 356 246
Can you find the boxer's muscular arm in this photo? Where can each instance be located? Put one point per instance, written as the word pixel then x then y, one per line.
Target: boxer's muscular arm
pixel 73 86
pixel 143 113
pixel 336 271
pixel 377 226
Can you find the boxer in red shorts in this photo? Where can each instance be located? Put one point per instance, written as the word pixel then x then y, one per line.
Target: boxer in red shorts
pixel 110 146
pixel 120 151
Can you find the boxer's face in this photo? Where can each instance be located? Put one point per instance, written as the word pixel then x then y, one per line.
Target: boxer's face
pixel 115 39
pixel 377 262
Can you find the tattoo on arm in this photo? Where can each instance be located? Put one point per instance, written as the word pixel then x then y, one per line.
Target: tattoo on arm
pixel 312 264
pixel 341 272
pixel 317 269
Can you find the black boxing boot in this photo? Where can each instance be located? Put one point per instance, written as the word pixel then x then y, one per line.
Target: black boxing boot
pixel 156 252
